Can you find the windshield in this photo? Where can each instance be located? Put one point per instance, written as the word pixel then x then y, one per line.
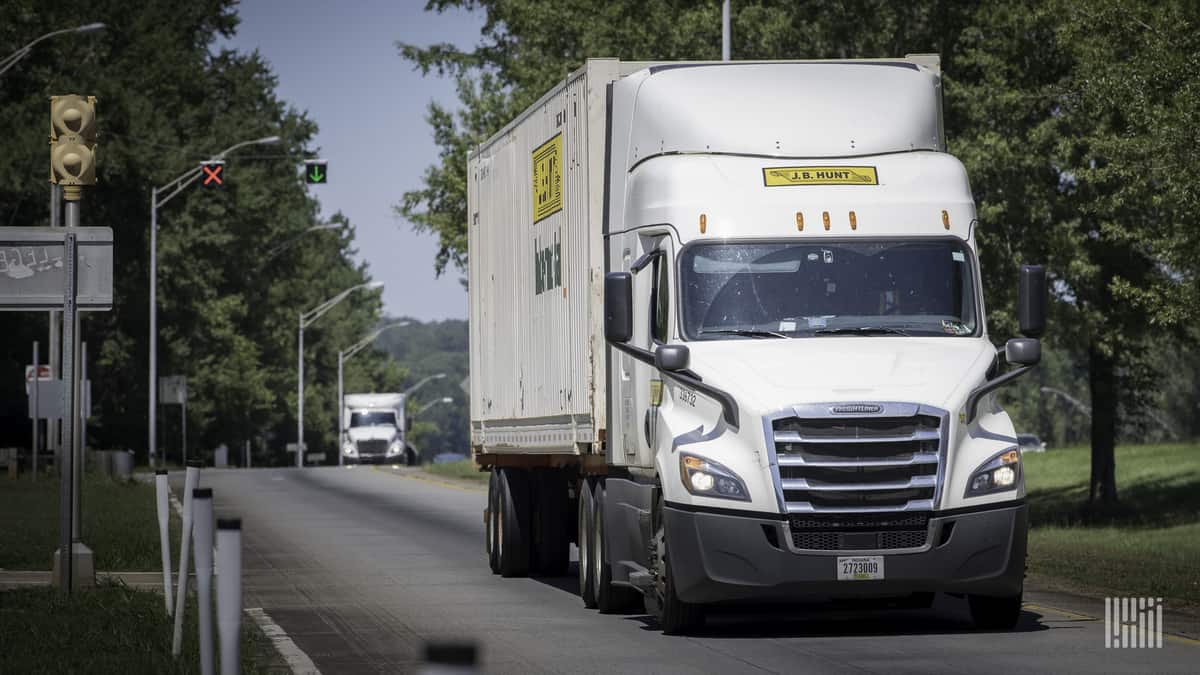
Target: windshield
pixel 867 287
pixel 373 419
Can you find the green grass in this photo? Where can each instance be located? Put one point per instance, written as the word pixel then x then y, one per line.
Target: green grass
pixel 119 524
pixel 462 470
pixel 1146 544
pixel 109 629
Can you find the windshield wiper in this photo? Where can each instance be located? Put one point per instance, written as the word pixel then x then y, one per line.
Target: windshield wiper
pixel 861 330
pixel 745 332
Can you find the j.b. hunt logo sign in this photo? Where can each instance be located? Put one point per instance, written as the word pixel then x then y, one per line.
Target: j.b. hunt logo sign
pixel 547 264
pixel 1133 622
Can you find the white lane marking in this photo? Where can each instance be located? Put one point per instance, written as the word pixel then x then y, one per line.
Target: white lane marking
pixel 296 659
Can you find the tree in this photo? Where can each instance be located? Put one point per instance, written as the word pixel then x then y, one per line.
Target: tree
pixel 227 316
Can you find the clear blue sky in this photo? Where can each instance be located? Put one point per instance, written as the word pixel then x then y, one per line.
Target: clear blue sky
pixel 338 61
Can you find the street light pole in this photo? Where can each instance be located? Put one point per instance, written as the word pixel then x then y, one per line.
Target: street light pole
pixel 172 188
pixel 306 319
pixel 344 356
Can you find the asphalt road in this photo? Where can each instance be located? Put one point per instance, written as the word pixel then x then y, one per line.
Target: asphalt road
pixel 361 567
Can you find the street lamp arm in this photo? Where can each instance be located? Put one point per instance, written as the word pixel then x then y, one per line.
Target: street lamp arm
pixel 11 60
pixel 290 242
pixel 188 177
pixel 317 312
pixel 418 385
pixel 363 343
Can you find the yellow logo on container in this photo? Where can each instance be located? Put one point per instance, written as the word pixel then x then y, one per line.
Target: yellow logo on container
pixel 547 178
pixel 819 175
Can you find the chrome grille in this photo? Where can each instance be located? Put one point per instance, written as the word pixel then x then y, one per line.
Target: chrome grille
pixel 836 463
pixel 374 446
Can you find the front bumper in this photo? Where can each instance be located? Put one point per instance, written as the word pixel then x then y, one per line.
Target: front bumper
pixel 722 557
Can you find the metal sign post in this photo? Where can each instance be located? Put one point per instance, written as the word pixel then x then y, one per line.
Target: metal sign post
pixel 36 417
pixel 66 504
pixel 172 390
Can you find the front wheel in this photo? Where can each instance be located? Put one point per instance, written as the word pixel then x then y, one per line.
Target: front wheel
pixel 996 613
pixel 675 616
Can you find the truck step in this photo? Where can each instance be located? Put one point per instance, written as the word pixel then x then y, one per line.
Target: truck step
pixel 641 581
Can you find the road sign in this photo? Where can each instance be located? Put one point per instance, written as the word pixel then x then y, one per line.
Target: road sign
pixel 43 375
pixel 32 269
pixel 172 389
pixel 51 400
pixel 212 174
pixel 316 171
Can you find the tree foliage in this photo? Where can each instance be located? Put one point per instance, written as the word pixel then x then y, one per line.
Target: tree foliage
pixel 227 313
pixel 1077 121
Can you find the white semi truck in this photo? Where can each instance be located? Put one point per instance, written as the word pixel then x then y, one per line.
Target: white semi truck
pixel 375 430
pixel 727 335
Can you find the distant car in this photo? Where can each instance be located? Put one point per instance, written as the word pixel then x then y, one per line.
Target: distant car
pixel 448 457
pixel 1030 443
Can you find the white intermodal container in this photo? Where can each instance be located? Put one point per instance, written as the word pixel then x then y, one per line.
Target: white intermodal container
pixel 536 207
pixel 728 337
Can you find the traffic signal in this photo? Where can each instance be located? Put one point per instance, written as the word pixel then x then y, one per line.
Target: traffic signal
pixel 316 171
pixel 212 173
pixel 72 142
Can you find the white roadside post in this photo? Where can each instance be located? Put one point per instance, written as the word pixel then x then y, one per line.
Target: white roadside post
pixel 163 492
pixel 191 479
pixel 229 591
pixel 202 534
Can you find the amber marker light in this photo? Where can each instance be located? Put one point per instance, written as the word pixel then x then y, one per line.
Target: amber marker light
pixel 825 218
pixel 853 221
pixel 799 222
pixel 703 223
pixel 946 218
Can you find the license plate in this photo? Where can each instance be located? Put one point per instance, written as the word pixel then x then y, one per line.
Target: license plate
pixel 860 568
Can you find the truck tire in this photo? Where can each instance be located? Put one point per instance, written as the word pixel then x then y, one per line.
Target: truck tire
pixel 513 524
pixel 995 613
pixel 491 521
pixel 551 522
pixel 610 599
pixel 587 583
pixel 675 616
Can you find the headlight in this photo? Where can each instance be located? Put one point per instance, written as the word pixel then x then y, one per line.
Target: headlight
pixel 395 448
pixel 707 478
pixel 349 450
pixel 998 474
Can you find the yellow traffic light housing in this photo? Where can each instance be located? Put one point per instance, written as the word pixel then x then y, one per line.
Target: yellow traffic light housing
pixel 72 142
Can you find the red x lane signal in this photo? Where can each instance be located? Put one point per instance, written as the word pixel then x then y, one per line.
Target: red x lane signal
pixel 212 173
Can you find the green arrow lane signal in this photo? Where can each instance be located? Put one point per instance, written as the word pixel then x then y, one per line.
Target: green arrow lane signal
pixel 316 171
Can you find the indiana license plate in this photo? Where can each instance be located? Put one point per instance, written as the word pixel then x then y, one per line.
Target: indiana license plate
pixel 860 568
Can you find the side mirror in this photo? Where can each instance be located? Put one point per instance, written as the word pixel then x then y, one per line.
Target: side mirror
pixel 1023 351
pixel 672 357
pixel 1031 301
pixel 618 306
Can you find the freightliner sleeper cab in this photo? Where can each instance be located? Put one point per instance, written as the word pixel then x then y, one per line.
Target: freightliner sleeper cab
pixel 728 337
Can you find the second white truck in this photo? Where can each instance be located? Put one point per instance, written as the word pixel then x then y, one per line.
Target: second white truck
pixel 728 336
pixel 375 430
